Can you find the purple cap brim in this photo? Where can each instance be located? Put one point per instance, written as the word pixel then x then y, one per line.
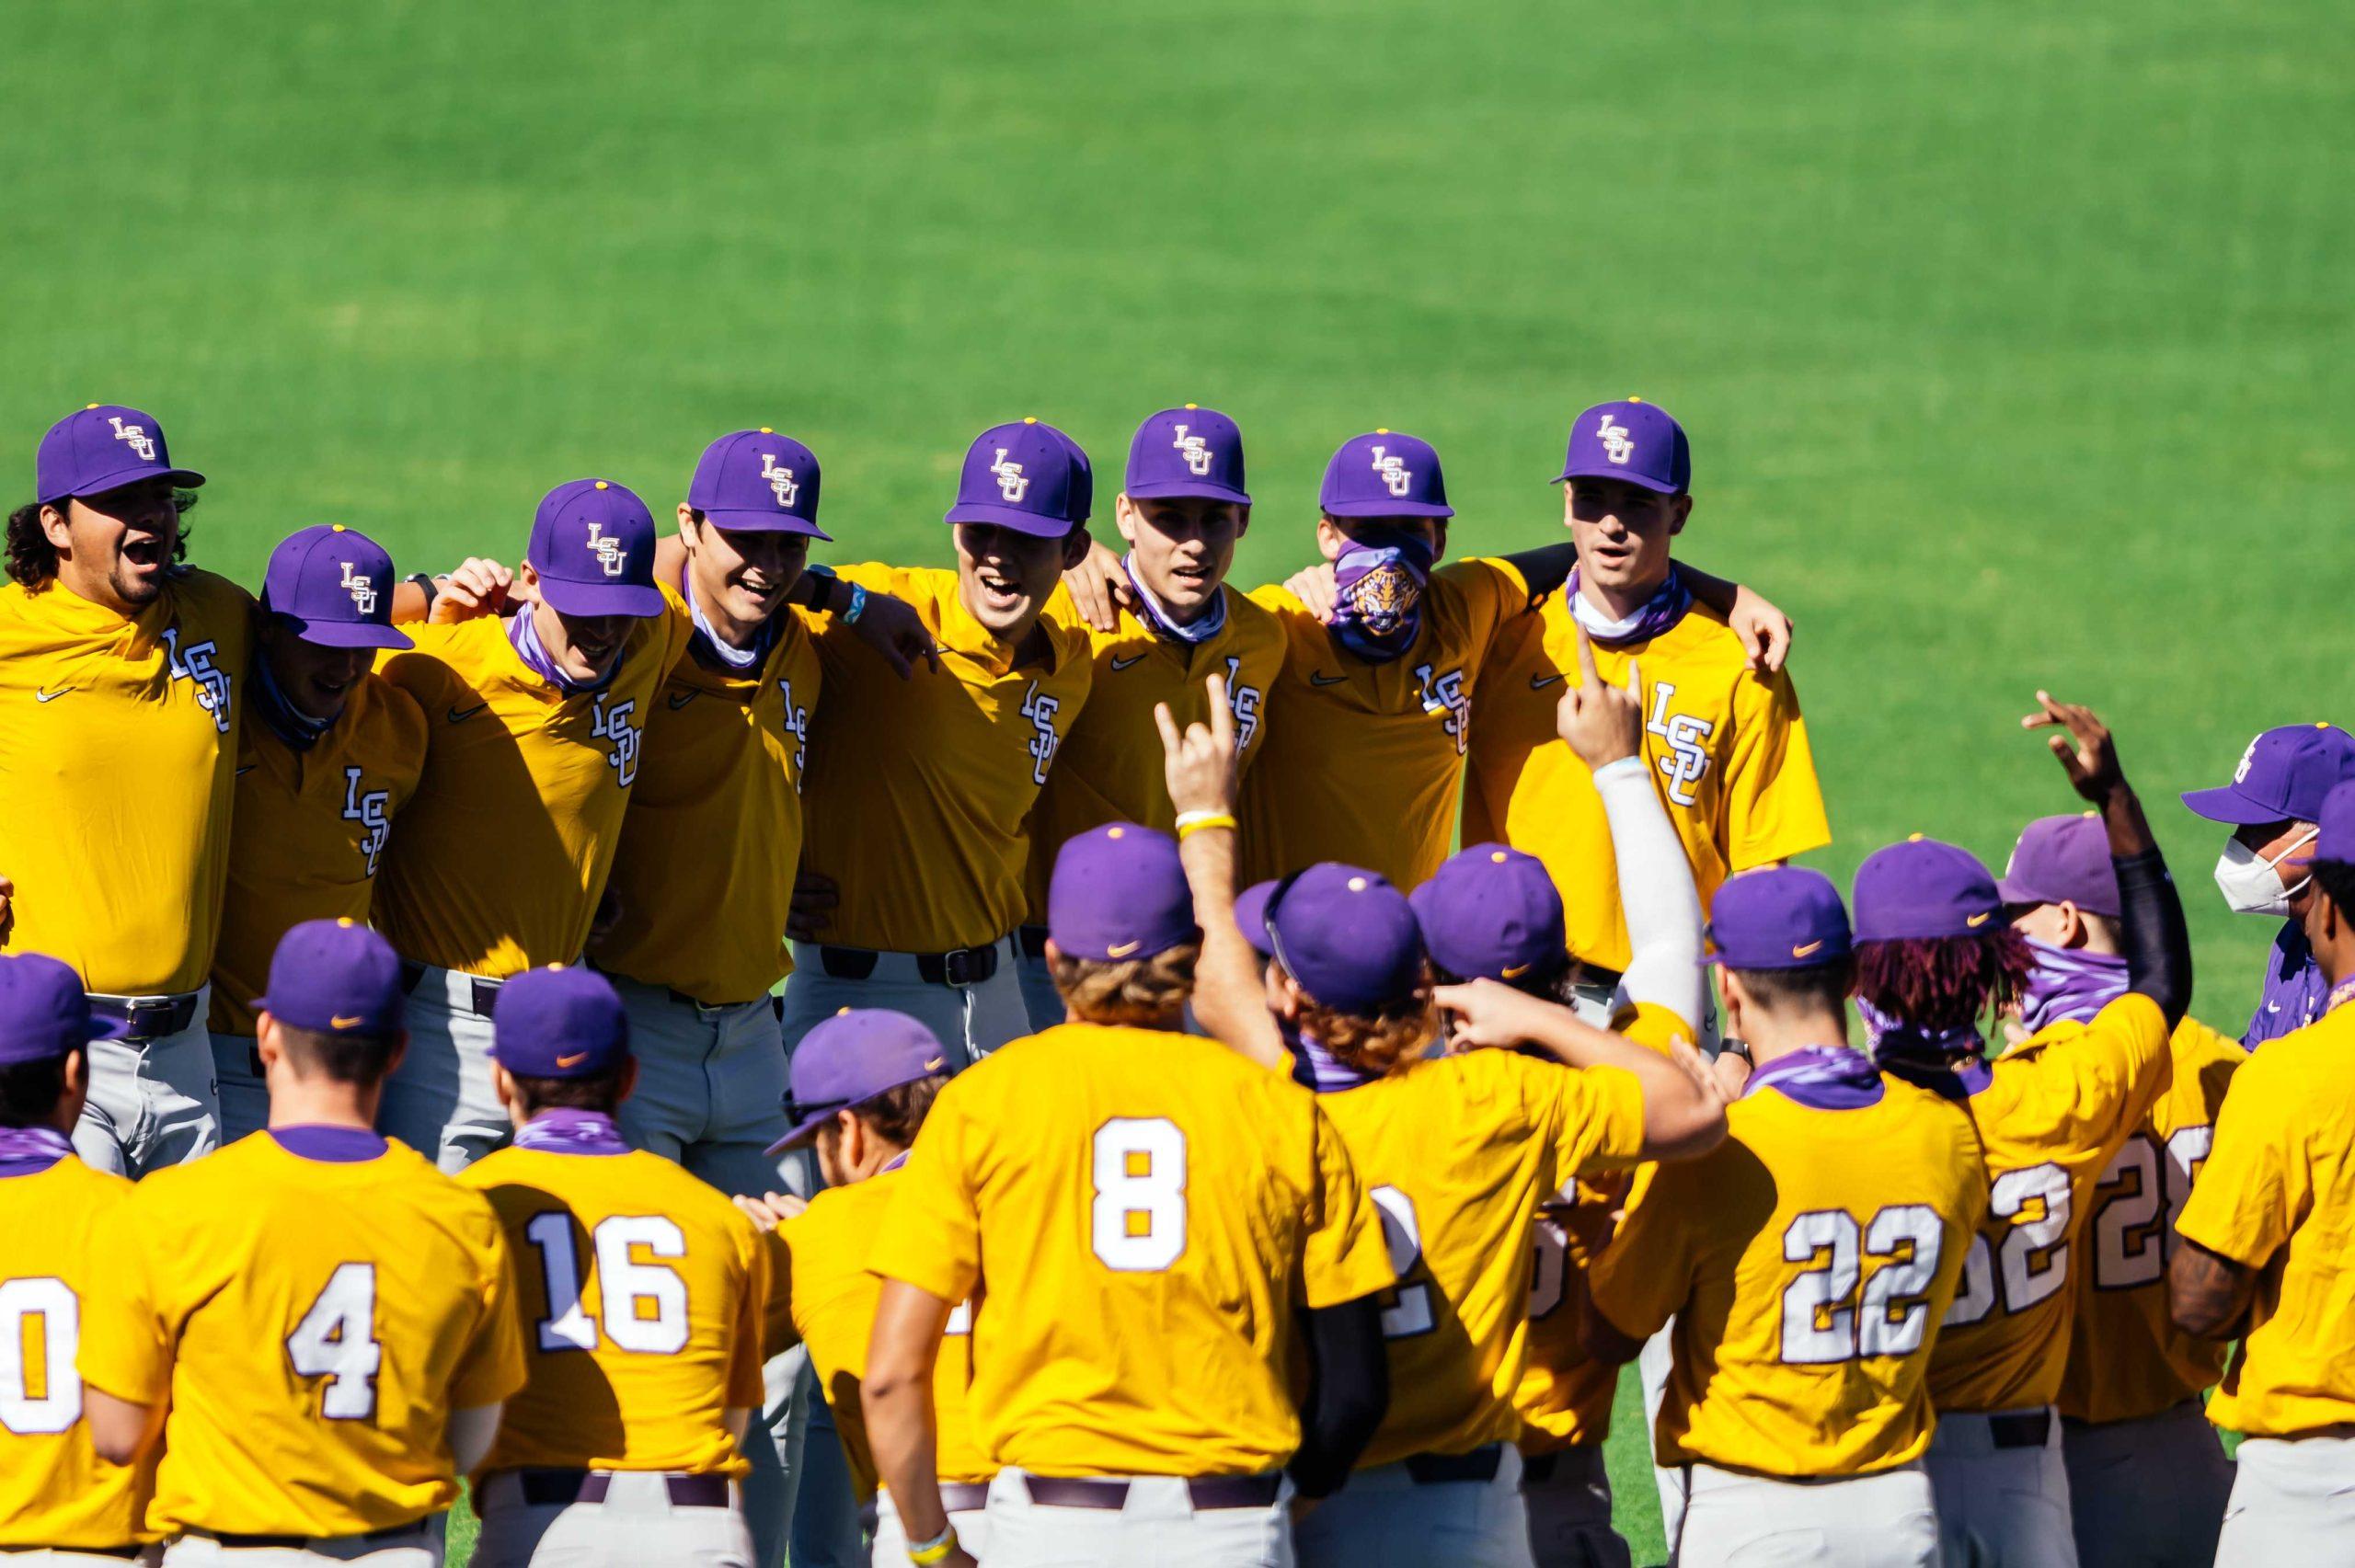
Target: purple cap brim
pixel 1387 508
pixel 749 522
pixel 138 473
pixel 571 598
pixel 348 634
pixel 1015 518
pixel 1251 914
pixel 1182 489
pixel 2012 892
pixel 1626 475
pixel 2226 804
pixel 802 1131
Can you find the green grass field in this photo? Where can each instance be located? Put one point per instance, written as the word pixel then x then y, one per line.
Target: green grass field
pixel 2015 340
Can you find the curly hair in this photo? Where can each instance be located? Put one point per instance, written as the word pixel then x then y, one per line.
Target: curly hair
pixel 1140 993
pixel 896 1115
pixel 1378 1043
pixel 32 559
pixel 1946 982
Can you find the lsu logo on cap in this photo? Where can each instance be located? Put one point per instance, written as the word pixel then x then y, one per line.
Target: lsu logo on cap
pixel 1617 444
pixel 141 442
pixel 613 557
pixel 1010 481
pixel 781 480
pixel 2247 757
pixel 1396 476
pixel 1197 451
pixel 362 588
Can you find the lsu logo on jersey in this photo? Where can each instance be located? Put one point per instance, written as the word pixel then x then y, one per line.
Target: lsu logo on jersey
pixel 796 725
pixel 1243 702
pixel 616 725
pixel 195 666
pixel 1445 696
pixel 1040 711
pixel 135 437
pixel 781 481
pixel 371 811
pixel 1618 444
pixel 613 557
pixel 1683 735
pixel 1196 450
pixel 1010 481
pixel 1396 477
pixel 361 587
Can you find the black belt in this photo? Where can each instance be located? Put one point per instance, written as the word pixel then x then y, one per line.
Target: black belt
pixel 1438 1470
pixel 1536 1470
pixel 964 1497
pixel 148 1018
pixel 485 992
pixel 1208 1491
pixel 2031 1430
pixel 297 1543
pixel 562 1488
pixel 958 967
pixel 1033 940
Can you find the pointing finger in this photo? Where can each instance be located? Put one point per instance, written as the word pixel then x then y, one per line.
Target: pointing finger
pixel 1587 674
pixel 1169 727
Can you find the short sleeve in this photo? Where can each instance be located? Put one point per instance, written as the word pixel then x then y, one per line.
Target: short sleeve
pixel 678 627
pixel 2137 1060
pixel 931 1236
pixel 1495 593
pixel 1645 1275
pixel 1594 1117
pixel 2249 1192
pixel 1652 1026
pixel 1344 1256
pixel 747 1346
pixel 1773 804
pixel 126 1345
pixel 491 1369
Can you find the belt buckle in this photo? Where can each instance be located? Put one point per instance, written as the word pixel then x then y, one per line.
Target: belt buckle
pixel 963 966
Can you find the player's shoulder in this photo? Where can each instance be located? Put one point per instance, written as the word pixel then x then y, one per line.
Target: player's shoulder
pixel 67 1187
pixel 2307 1063
pixel 842 1216
pixel 210 593
pixel 386 718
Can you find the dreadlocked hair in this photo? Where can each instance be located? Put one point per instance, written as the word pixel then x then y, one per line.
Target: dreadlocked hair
pixel 1944 982
pixel 1376 1044
pixel 32 559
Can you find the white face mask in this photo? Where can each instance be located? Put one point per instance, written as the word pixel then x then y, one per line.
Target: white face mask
pixel 2254 886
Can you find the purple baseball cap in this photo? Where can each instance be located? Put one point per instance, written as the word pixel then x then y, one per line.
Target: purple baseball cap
pixel 1384 474
pixel 1027 476
pixel 1630 439
pixel 1491 912
pixel 334 977
pixel 334 585
pixel 857 1055
pixel 559 1021
pixel 758 481
pixel 1344 932
pixel 43 1013
pixel 1779 917
pixel 2333 837
pixel 2282 776
pixel 1924 889
pixel 1185 452
pixel 1119 892
pixel 592 543
pixel 2063 859
pixel 102 447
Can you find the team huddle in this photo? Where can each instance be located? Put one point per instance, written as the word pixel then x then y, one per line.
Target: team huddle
pixel 731 1059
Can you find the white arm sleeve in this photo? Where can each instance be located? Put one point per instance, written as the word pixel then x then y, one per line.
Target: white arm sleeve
pixel 471 1432
pixel 1656 890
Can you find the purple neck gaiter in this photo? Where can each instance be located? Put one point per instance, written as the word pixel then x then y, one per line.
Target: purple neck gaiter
pixel 1661 612
pixel 28 1151
pixel 1823 1078
pixel 571 1132
pixel 2068 983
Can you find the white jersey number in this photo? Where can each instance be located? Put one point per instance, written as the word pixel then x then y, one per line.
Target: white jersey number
pixel 336 1340
pixel 645 1303
pixel 1139 1222
pixel 1410 1312
pixel 1549 1270
pixel 1821 1325
pixel 2032 1261
pixel 2131 1244
pixel 31 1406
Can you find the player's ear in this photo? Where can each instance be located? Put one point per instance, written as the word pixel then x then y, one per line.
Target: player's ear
pixel 1680 508
pixel 1125 516
pixel 57 525
pixel 1331 540
pixel 268 1047
pixel 502 1084
pixel 629 1080
pixel 1076 542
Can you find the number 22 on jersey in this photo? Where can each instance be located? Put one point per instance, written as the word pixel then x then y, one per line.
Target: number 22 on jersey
pixel 1822 1322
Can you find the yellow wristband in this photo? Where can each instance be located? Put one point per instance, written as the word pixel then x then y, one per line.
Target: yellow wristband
pixel 937 1549
pixel 1196 821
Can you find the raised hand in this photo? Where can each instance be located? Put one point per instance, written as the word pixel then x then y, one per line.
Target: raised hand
pixel 1764 630
pixel 2086 752
pixel 1318 590
pixel 1601 722
pixel 1200 764
pixel 479 587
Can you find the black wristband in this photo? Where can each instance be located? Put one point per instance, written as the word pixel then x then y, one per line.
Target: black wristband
pixel 433 590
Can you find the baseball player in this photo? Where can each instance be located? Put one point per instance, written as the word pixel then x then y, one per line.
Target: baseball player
pixel 639 1293
pixel 2147 1478
pixel 1805 1263
pixel 1461 1150
pixel 330 756
pixel 2264 1258
pixel 536 725
pixel 862 1083
pixel 1134 1393
pixel 316 1322
pixel 918 789
pixel 1933 953
pixel 58 1503
pixel 1723 740
pixel 120 688
pixel 1182 508
pixel 2272 805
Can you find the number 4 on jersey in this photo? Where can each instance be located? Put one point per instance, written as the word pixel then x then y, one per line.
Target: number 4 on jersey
pixel 336 1340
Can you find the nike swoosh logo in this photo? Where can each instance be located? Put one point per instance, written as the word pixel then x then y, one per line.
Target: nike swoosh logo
pixel 248 768
pixel 1806 949
pixel 1514 971
pixel 935 1064
pixel 681 699
pixel 51 696
pixel 1119 663
pixel 1122 949
pixel 347 1021
pixel 573 1061
pixel 1539 682
pixel 1975 922
pixel 460 716
pixel 1318 678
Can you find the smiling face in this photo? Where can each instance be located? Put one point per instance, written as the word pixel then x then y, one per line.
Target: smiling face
pixel 1004 577
pixel 316 680
pixel 116 549
pixel 1623 533
pixel 585 648
pixel 741 576
pixel 1183 546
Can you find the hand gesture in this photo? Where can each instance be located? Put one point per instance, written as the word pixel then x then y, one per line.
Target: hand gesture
pixel 772 1211
pixel 892 628
pixel 1601 723
pixel 1764 630
pixel 1318 590
pixel 1490 1014
pixel 1200 764
pixel 812 907
pixel 1100 587
pixel 2087 753
pixel 480 587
